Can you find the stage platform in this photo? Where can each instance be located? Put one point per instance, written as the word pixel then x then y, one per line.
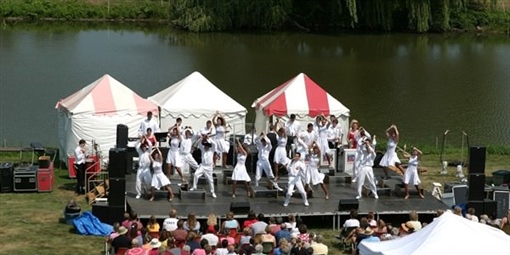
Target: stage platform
pixel 272 205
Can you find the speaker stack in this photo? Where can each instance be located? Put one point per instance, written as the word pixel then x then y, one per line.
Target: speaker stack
pixel 122 136
pixel 476 192
pixel 240 207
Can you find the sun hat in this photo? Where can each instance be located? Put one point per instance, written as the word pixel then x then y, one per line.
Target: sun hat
pixel 408 227
pixel 368 231
pixel 155 243
pixel 122 230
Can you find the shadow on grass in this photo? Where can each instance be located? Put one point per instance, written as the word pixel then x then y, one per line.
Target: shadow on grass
pixel 67 186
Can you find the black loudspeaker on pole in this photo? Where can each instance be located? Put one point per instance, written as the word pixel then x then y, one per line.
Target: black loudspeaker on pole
pixel 122 136
pixel 476 173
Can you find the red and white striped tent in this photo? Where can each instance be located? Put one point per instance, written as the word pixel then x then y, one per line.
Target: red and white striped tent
pixel 94 112
pixel 301 96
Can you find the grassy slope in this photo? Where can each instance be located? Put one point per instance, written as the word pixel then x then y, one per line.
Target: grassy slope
pixel 31 220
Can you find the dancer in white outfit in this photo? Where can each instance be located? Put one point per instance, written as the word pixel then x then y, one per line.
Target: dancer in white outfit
pixel 207 164
pixel 322 129
pixel 313 176
pixel 280 154
pixel 335 133
pixel 264 147
pixel 186 148
pixel 295 167
pixel 240 173
pixel 361 134
pixel 159 179
pixel 366 172
pixel 390 159
pixel 173 159
pixel 301 146
pixel 143 175
pixel 411 174
pixel 222 145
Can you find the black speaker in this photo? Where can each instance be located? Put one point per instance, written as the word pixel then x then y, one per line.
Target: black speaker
pixel 122 136
pixel 240 207
pixel 460 194
pixel 115 214
pixel 100 210
pixel 348 204
pixel 117 165
pixel 490 207
pixel 477 160
pixel 117 192
pixel 478 205
pixel 476 187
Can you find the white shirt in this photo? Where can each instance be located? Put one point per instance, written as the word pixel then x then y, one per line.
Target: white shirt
pixel 295 167
pixel 351 223
pixel 79 156
pixel 186 145
pixel 249 138
pixel 263 150
pixel 210 131
pixel 212 239
pixel 146 123
pixel 144 160
pixel 335 132
pixel 207 155
pixel 368 156
pixel 170 224
pixel 309 137
pixel 292 127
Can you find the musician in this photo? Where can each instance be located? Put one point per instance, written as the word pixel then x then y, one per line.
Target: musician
pixel 295 167
pixel 149 122
pixel 366 172
pixel 79 164
pixel 207 164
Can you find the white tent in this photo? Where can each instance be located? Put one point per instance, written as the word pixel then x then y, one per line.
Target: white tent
pixel 196 100
pixel 303 97
pixel 94 112
pixel 448 234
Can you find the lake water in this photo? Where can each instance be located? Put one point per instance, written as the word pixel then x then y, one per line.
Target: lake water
pixel 423 83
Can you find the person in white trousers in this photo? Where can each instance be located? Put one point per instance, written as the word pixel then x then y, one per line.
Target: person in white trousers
pixel 366 172
pixel 207 164
pixel 360 136
pixel 264 147
pixel 295 167
pixel 185 150
pixel 143 174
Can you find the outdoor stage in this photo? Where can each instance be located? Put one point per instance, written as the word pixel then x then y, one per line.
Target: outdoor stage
pixel 270 205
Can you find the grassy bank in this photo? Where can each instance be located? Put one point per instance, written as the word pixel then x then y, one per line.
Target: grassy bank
pixel 30 221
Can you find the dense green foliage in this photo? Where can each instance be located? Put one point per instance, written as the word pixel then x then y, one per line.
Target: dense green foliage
pixel 217 15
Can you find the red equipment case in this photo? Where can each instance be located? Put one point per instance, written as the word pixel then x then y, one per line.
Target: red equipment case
pixel 45 178
pixel 92 165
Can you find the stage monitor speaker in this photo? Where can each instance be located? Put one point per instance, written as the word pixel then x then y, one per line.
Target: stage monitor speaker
pixel 478 205
pixel 348 204
pixel 122 136
pixel 100 210
pixel 502 197
pixel 460 194
pixel 477 160
pixel 115 214
pixel 117 192
pixel 490 207
pixel 476 187
pixel 240 207
pixel 117 165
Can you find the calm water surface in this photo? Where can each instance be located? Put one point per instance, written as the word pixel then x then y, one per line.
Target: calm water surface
pixel 423 83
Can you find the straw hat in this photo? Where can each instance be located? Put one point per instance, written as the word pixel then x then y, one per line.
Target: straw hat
pixel 368 231
pixel 122 230
pixel 408 227
pixel 155 243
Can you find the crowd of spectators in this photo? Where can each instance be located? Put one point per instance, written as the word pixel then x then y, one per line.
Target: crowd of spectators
pixel 256 235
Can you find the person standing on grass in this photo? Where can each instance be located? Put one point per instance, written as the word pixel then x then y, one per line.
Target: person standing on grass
pixel 411 175
pixel 159 179
pixel 240 173
pixel 79 164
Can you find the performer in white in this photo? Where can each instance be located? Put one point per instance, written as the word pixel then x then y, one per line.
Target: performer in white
pixel 390 159
pixel 360 135
pixel 186 150
pixel 159 179
pixel 207 164
pixel 264 147
pixel 301 146
pixel 143 175
pixel 292 128
pixel 310 136
pixel 173 158
pixel 240 173
pixel 312 175
pixel 222 145
pixel 149 122
pixel 411 174
pixel 335 133
pixel 366 172
pixel 295 167
pixel 280 154
pixel 323 130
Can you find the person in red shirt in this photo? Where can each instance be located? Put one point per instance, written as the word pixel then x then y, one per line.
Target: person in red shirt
pixel 252 218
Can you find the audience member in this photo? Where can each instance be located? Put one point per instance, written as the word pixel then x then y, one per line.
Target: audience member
pixel 192 224
pixel 212 223
pixel 211 238
pixel 230 226
pixel 222 250
pixel 268 237
pixel 353 221
pixel 121 241
pixel 318 247
pixel 245 238
pixel 258 250
pixel 381 227
pixel 192 242
pixel 283 234
pixel 259 227
pixel 470 215
pixel 252 218
pixel 155 244
pixel 413 218
pixel 303 233
pixel 170 223
pixel 231 250
pixel 153 225
pixel 180 234
pixel 370 218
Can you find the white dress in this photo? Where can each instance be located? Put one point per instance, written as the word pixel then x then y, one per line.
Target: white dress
pixel 411 174
pixel 240 173
pixel 159 179
pixel 390 157
pixel 280 154
pixel 323 139
pixel 222 145
pixel 174 155
pixel 313 176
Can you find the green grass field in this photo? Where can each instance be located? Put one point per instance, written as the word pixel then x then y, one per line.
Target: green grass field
pixel 31 221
